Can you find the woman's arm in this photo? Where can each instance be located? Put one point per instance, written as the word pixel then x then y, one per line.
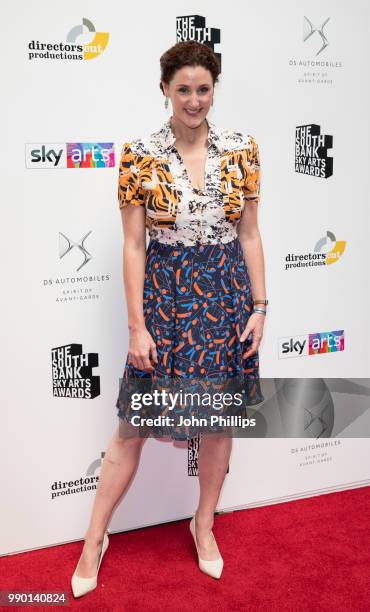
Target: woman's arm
pixel 251 242
pixel 250 239
pixel 134 257
pixel 134 254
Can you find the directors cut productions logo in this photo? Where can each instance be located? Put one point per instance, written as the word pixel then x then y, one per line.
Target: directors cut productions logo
pixel 193 27
pixel 311 344
pixel 311 151
pixel 327 250
pixel 81 484
pixel 72 372
pixel 82 43
pixel 61 155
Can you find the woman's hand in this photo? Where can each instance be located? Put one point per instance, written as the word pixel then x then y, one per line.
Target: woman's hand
pixel 141 349
pixel 255 325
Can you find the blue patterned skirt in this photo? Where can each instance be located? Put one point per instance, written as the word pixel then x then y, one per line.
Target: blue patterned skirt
pixel 197 301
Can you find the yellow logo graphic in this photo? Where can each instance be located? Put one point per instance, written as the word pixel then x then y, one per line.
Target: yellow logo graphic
pixel 96 45
pixel 332 247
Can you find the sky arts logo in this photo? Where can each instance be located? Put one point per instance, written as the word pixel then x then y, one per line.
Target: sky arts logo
pixel 311 344
pixel 327 250
pixel 70 155
pixel 82 43
pixel 311 151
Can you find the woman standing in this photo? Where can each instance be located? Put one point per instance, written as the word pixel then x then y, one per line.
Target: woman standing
pixel 191 294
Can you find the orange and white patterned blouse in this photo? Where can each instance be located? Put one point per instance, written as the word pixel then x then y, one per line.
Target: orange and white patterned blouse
pixel 153 175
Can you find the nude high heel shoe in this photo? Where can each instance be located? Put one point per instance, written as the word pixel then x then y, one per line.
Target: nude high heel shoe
pixel 81 586
pixel 212 568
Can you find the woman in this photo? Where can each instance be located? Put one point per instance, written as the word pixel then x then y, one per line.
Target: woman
pixel 190 302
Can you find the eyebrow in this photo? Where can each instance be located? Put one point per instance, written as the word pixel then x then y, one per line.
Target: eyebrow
pixel 184 85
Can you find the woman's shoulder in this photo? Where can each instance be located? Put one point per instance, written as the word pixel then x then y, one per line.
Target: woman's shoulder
pixel 153 143
pixel 235 139
pixel 226 139
pixel 139 145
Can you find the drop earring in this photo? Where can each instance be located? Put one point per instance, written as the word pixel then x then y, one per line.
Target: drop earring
pixel 166 103
pixel 212 101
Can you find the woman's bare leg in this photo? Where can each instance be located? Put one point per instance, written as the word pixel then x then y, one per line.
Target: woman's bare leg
pixel 213 460
pixel 118 466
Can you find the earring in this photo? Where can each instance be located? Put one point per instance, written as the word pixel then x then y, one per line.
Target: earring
pixel 212 101
pixel 166 103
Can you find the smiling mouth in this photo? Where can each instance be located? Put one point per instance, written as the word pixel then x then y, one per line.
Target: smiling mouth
pixel 191 112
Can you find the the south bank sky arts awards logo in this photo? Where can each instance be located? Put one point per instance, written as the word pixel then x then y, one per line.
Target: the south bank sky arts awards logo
pixel 193 446
pixel 72 372
pixel 311 151
pixel 193 27
pixel 327 250
pixel 82 42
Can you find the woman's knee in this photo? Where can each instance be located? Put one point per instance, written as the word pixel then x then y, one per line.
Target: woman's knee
pixel 217 439
pixel 128 434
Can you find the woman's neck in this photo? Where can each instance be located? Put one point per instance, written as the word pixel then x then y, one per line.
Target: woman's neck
pixel 187 135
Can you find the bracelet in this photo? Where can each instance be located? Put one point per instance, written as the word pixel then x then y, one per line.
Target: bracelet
pixel 261 302
pixel 262 310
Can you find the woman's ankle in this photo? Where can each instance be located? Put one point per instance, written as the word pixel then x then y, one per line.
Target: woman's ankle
pixel 94 537
pixel 204 521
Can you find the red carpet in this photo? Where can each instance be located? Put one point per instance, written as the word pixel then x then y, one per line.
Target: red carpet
pixel 306 555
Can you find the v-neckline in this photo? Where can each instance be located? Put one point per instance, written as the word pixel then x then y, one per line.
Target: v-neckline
pixel 205 176
pixel 187 176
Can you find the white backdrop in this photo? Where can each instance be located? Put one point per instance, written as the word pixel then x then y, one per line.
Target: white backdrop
pixel 270 84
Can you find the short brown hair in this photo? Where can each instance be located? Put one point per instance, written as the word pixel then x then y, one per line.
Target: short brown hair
pixel 188 53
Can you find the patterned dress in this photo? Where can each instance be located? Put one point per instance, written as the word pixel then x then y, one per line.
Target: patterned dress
pixel 197 294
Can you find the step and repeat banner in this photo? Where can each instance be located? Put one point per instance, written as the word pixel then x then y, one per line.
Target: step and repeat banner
pixel 80 80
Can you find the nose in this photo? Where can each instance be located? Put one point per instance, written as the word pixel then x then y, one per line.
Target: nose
pixel 194 102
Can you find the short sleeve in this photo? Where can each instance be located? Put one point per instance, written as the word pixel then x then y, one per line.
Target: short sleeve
pixel 129 188
pixel 252 179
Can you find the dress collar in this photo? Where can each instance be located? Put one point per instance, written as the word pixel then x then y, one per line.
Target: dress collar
pixel 166 138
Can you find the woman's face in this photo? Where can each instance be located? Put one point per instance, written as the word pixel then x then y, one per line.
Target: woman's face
pixel 191 92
